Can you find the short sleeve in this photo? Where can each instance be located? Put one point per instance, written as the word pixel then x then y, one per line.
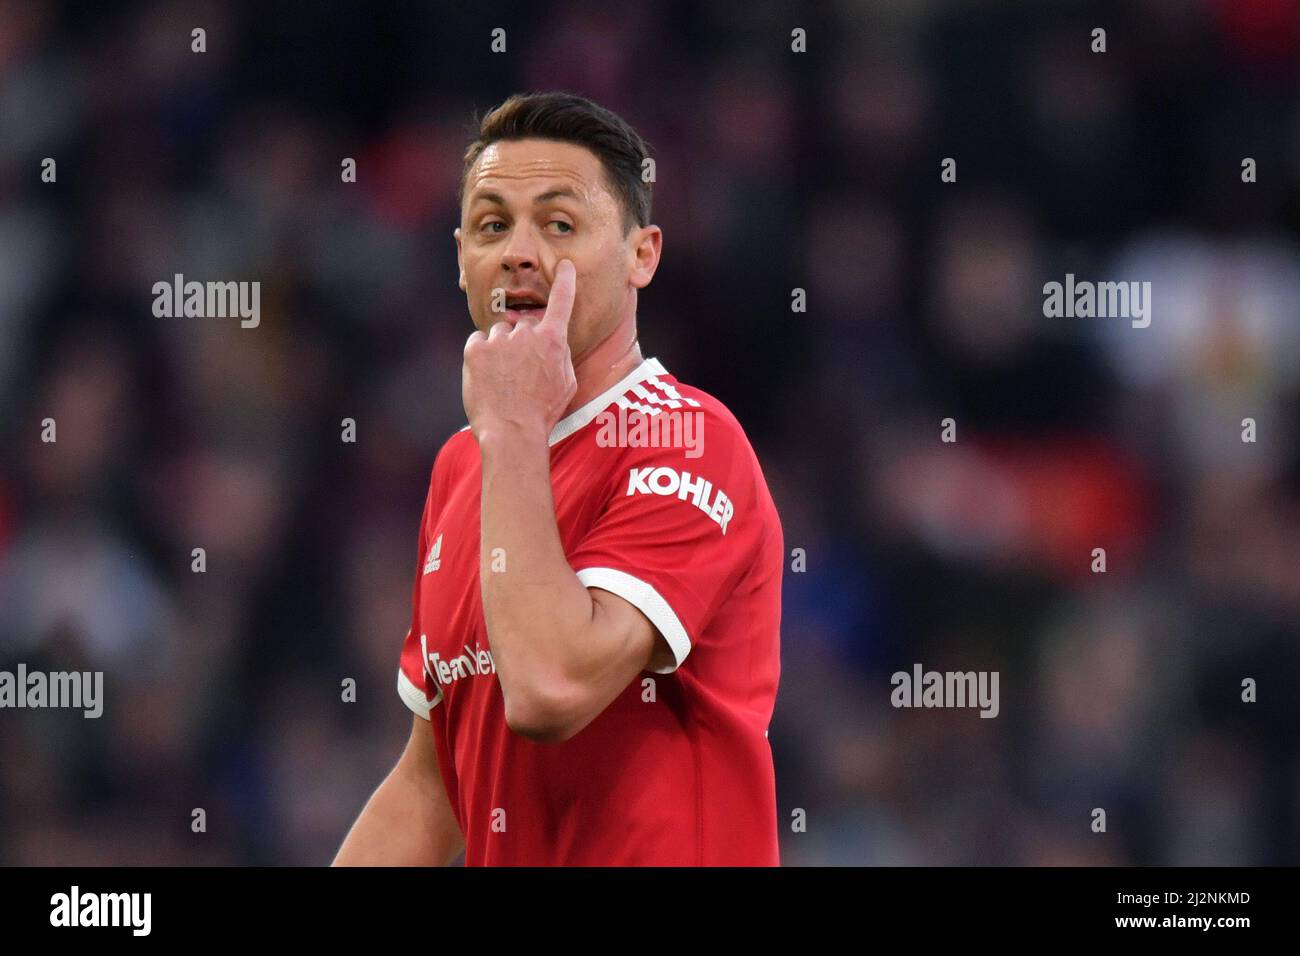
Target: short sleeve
pixel 676 534
pixel 413 682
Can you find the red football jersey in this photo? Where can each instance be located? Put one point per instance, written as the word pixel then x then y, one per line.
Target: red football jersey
pixel 677 770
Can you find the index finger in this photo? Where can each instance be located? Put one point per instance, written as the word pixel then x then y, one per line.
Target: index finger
pixel 559 306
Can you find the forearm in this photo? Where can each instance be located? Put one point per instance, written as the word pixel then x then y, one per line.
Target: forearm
pixel 406 822
pixel 538 613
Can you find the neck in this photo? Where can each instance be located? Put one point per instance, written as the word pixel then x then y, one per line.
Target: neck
pixel 601 367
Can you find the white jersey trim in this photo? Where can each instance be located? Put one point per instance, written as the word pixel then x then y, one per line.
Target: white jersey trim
pixel 579 419
pixel 414 697
pixel 649 602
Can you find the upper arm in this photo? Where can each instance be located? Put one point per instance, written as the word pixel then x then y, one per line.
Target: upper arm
pixel 632 645
pixel 433 821
pixel 419 764
pixel 675 536
pixel 646 648
pixel 420 757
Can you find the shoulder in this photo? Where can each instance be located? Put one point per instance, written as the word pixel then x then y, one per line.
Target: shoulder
pixel 668 438
pixel 659 411
pixel 714 415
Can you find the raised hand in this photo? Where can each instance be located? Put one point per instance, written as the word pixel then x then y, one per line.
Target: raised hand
pixel 518 377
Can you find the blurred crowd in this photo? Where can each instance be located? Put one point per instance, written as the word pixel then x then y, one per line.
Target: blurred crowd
pixel 1120 690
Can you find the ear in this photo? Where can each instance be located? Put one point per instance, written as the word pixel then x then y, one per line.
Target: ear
pixel 459 262
pixel 647 244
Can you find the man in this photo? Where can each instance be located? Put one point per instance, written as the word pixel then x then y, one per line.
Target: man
pixel 594 652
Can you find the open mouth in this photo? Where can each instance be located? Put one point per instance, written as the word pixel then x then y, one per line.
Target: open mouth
pixel 525 306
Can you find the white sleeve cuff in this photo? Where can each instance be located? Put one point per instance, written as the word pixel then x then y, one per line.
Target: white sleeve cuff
pixel 649 602
pixel 414 697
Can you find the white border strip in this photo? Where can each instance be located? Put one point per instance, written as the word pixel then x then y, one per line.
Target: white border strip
pixel 649 602
pixel 413 697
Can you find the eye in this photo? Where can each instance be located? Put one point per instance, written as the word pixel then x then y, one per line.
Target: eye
pixel 487 226
pixel 568 228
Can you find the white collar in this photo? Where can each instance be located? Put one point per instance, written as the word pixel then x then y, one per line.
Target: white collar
pixel 583 416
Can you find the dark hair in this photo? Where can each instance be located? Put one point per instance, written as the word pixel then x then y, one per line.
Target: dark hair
pixel 571 119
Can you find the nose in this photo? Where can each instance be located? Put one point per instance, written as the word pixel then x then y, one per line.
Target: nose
pixel 521 252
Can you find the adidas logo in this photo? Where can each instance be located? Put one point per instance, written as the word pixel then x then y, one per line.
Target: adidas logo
pixel 434 561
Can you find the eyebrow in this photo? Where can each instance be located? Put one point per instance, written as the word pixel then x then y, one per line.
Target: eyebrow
pixel 547 196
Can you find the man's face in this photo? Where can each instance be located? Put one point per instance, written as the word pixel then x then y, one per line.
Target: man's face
pixel 530 203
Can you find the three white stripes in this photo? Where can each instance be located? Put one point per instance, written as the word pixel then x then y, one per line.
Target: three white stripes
pixel 674 399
